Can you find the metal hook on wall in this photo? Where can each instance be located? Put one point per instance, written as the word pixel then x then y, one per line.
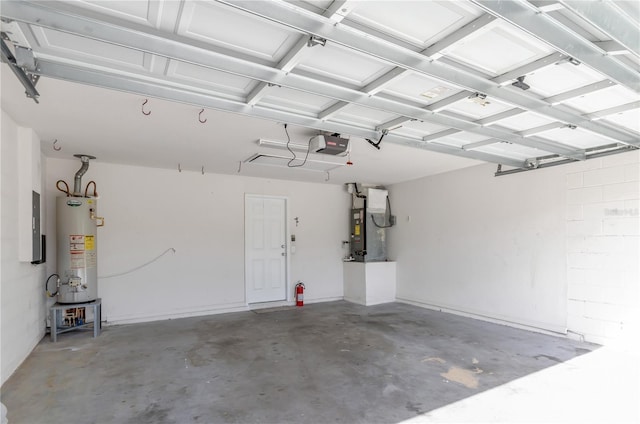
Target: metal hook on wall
pixel 202 121
pixel 144 103
pixel 202 169
pixel 179 168
pixel 57 149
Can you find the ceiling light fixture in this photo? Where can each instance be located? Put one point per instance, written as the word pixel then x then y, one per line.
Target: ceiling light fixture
pixel 479 98
pixel 573 61
pixel 548 6
pixel 282 144
pixel 519 83
pixel 314 40
pixel 435 92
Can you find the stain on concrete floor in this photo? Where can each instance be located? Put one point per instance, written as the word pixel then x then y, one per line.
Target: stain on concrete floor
pixel 468 378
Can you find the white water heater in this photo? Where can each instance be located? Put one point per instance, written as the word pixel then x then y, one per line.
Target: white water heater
pixel 77 242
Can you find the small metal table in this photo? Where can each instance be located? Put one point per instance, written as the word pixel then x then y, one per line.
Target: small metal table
pixel 59 308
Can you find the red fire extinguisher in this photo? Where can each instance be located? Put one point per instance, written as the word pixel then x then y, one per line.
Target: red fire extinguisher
pixel 300 294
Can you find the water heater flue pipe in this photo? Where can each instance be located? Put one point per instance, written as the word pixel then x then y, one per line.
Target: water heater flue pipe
pixel 77 180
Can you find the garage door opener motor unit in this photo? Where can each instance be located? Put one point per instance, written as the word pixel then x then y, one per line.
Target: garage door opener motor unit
pixel 77 244
pixel 328 144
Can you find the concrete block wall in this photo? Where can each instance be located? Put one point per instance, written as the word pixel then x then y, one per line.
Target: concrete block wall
pixel 603 248
pixel 22 296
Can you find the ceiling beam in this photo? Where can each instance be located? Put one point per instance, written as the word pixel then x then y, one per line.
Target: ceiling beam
pixel 449 42
pixel 606 17
pixel 580 91
pixel 481 143
pixel 383 81
pixel 547 5
pixel 288 62
pixel 117 31
pixel 337 11
pixel 489 120
pixel 541 129
pixel 612 111
pixel 528 68
pixel 434 51
pixel 156 89
pixel 393 124
pixel 448 101
pixel 611 47
pixel 526 17
pixel 440 134
pixel 329 112
pixel 292 16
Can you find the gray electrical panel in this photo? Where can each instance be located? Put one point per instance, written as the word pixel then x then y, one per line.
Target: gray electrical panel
pixel 36 249
pixel 368 240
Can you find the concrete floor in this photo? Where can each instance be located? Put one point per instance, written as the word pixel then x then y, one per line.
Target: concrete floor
pixel 325 363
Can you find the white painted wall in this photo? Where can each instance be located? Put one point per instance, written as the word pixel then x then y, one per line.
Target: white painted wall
pixel 22 297
pixel 148 211
pixel 469 242
pixel 603 248
pixel 556 248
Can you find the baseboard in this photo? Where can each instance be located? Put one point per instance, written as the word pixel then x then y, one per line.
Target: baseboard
pixel 208 310
pixel 535 327
pixel 280 303
pixel 266 305
pixel 323 299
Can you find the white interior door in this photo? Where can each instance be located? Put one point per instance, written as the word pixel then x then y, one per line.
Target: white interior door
pixel 265 249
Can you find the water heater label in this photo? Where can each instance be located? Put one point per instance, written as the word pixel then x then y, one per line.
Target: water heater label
pixel 91 259
pixel 89 243
pixel 76 243
pixel 82 250
pixel 73 202
pixel 77 260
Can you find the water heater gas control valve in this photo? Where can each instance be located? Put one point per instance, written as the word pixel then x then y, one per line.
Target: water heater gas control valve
pixel 75 281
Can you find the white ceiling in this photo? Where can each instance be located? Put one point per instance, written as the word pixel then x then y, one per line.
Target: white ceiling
pixel 411 68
